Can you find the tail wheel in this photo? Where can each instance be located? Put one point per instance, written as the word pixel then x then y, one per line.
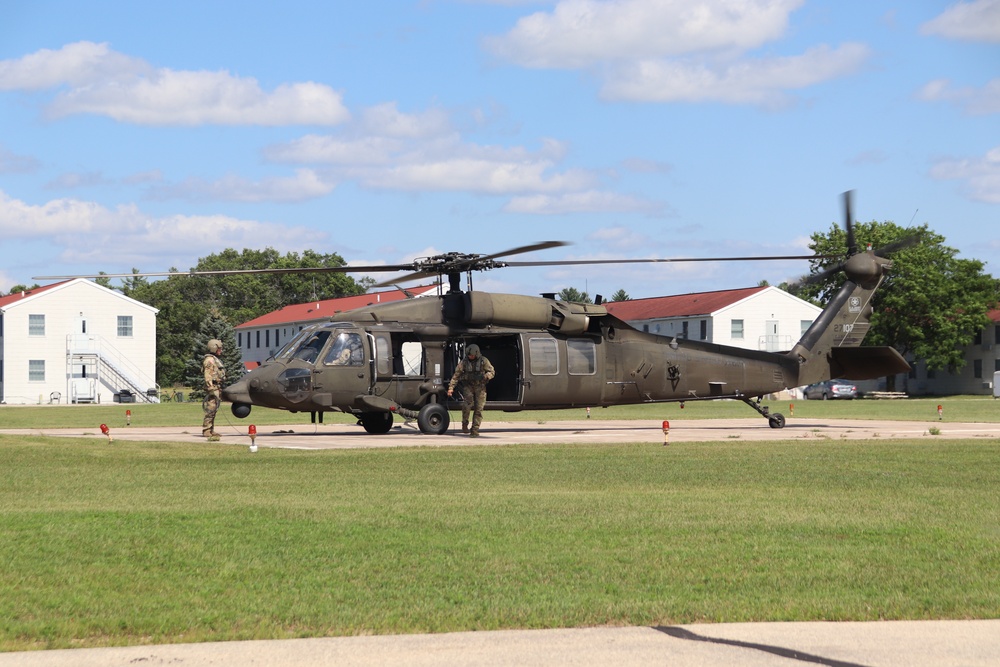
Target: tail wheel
pixel 777 420
pixel 433 419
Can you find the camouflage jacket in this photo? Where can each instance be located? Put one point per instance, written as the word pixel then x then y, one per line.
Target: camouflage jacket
pixel 477 372
pixel 215 373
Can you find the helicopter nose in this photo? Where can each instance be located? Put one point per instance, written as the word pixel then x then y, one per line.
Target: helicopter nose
pixel 238 392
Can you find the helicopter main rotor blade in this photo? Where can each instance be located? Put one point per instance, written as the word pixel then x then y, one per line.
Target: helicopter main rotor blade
pixel 235 272
pixel 671 260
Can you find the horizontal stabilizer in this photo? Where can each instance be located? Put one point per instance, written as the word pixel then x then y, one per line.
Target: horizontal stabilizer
pixel 866 363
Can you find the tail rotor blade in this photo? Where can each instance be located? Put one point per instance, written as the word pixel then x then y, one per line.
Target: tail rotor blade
pixel 852 244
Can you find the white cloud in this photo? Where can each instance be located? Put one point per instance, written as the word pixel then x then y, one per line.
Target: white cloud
pixel 974 101
pixel 390 150
pixel 676 50
pixel 977 21
pixel 749 81
pixel 325 149
pixel 579 33
pixel 980 177
pixel 89 232
pixel 75 65
pixel 11 163
pixel 387 121
pixel 305 184
pixel 588 201
pixel 103 82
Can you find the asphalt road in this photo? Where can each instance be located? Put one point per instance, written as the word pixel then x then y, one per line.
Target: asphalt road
pixel 875 644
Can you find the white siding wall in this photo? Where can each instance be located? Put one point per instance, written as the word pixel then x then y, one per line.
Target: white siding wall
pixel 755 311
pixel 62 307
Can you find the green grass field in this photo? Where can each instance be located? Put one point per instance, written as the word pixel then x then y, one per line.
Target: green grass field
pixel 165 542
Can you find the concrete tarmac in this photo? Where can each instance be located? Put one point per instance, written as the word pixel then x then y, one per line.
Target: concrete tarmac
pixel 874 644
pixel 579 431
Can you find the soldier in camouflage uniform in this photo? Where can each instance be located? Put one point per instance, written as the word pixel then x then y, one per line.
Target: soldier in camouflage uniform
pixel 215 376
pixel 473 372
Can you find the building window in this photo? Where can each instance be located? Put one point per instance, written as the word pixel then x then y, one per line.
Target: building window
pixel 736 329
pixel 703 329
pixel 124 326
pixel 36 325
pixel 267 338
pixel 239 339
pixel 996 334
pixel 977 368
pixel 36 370
pixel 804 326
pixel 543 356
pixel 684 330
pixel 581 356
pixel 978 340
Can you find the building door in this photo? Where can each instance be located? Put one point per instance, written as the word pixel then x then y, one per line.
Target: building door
pixel 771 342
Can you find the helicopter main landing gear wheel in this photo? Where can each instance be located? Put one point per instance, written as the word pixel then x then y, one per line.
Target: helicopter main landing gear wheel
pixel 777 420
pixel 376 423
pixel 433 419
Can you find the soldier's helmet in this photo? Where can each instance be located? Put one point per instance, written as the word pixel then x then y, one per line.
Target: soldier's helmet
pixel 214 345
pixel 472 351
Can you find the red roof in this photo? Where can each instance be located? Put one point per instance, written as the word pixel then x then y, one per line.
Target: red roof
pixel 14 298
pixel 681 305
pixel 322 310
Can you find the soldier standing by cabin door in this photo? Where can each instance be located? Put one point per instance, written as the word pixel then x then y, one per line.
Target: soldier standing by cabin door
pixel 473 372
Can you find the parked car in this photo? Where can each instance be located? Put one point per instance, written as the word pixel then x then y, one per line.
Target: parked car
pixel 830 389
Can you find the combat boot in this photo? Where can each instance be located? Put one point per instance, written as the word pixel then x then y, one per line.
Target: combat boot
pixel 465 427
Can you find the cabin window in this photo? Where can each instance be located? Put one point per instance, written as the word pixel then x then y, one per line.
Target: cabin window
pixel 581 356
pixel 736 329
pixel 124 326
pixel 383 355
pixel 543 356
pixel 36 325
pixel 345 351
pixel 412 357
pixel 36 370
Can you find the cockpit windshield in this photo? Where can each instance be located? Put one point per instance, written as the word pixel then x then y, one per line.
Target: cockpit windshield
pixel 343 348
pixel 289 348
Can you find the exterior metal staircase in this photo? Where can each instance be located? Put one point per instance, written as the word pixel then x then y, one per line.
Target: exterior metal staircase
pixel 92 362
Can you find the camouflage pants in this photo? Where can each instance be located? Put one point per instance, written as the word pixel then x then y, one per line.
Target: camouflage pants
pixel 210 405
pixel 475 399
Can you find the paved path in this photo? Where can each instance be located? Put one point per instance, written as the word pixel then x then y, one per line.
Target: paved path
pixel 877 644
pixel 899 643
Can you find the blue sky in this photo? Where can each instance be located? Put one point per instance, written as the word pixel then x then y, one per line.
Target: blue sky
pixel 148 135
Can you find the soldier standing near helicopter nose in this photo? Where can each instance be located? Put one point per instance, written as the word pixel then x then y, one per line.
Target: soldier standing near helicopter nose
pixel 215 376
pixel 474 371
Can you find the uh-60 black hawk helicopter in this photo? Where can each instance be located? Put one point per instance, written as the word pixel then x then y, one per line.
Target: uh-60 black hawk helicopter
pixel 396 358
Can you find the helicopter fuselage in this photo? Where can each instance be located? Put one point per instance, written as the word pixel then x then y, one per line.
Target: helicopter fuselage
pixel 547 354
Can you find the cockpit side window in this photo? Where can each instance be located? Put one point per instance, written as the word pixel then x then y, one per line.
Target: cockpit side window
pixel 346 350
pixel 311 346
